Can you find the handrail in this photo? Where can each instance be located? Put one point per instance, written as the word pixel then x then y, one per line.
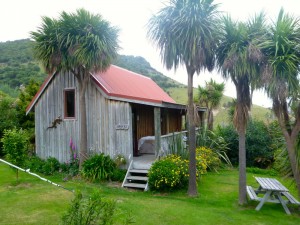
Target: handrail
pixel 129 168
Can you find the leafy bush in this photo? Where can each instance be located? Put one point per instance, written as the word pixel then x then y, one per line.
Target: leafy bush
pixel 35 164
pixel 118 175
pixel 206 158
pixel 92 210
pixel 15 144
pixel 71 168
pixel 51 166
pixel 168 174
pixel 98 167
pixel 209 139
pixel 259 144
pixel 229 134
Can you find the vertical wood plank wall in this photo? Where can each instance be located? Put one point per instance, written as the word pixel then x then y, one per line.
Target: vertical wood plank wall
pixel 103 116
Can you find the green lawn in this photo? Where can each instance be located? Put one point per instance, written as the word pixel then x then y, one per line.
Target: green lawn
pixel 36 202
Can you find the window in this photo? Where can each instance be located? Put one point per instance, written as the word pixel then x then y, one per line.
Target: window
pixel 70 103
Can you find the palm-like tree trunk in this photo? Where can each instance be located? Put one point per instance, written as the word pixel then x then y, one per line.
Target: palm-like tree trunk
pixel 291 143
pixel 210 120
pixel 240 121
pixel 290 134
pixel 83 82
pixel 192 189
pixel 242 168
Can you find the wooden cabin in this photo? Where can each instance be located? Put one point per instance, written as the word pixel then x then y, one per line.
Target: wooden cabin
pixel 123 107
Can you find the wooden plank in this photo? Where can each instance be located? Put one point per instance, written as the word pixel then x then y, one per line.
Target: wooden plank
pixel 157 130
pixel 137 178
pixel 252 195
pixel 135 185
pixel 270 184
pixel 291 199
pixel 138 171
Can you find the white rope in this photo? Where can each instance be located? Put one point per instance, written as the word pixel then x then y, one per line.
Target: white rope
pixel 34 174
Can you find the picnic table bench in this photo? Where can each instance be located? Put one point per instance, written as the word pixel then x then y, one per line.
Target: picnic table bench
pixel 273 191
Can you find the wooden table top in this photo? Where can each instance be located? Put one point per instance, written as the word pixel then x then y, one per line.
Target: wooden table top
pixel 271 184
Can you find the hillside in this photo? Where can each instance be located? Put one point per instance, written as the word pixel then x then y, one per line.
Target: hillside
pixel 18 67
pixel 221 114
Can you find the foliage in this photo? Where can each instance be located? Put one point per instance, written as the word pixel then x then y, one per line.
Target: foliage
pixel 8 115
pixel 209 139
pixel 98 167
pixel 17 65
pixel 171 172
pixel 15 146
pixel 281 49
pixel 118 175
pixel 259 144
pixel 51 166
pixel 35 164
pixel 168 174
pixel 120 160
pixel 210 97
pixel 27 93
pixel 206 158
pixel 92 210
pixel 48 167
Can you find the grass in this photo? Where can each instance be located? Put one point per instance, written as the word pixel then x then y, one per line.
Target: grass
pixel 32 201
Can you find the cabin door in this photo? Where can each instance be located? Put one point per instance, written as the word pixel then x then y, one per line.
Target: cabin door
pixel 142 124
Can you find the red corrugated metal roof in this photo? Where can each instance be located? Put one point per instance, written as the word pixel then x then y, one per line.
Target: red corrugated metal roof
pixel 122 83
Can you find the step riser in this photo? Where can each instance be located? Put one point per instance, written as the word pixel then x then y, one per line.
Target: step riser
pixel 136 178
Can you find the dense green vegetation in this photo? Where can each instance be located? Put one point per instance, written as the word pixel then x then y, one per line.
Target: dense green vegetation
pixel 17 66
pixel 217 203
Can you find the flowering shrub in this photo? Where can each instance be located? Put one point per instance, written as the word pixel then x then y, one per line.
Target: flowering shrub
pixel 206 158
pixel 169 173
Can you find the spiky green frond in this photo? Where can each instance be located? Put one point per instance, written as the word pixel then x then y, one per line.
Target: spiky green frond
pixel 186 33
pixel 76 40
pixel 46 47
pixel 283 52
pixel 240 58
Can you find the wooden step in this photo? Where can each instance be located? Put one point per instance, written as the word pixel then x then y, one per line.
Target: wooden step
pixel 137 178
pixel 138 171
pixel 135 185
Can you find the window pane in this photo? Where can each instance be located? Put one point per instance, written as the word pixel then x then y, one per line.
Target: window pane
pixel 70 103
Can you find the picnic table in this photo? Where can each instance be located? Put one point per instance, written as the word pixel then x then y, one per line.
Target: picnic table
pixel 273 191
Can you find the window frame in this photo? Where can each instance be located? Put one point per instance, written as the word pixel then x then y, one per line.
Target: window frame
pixel 66 90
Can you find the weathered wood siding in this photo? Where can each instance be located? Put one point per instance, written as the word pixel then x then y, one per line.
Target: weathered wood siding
pixel 103 115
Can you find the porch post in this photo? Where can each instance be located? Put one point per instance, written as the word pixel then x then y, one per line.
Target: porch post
pixel 157 130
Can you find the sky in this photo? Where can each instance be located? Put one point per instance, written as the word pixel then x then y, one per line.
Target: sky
pixel 18 18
